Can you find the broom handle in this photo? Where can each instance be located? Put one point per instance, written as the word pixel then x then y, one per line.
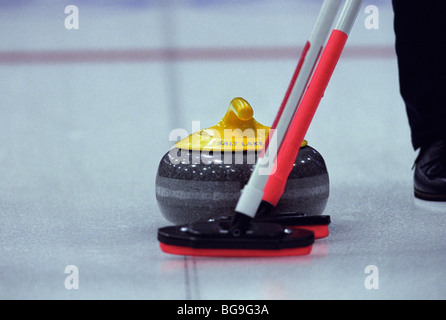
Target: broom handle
pixel 252 192
pixel 310 54
pixel 275 185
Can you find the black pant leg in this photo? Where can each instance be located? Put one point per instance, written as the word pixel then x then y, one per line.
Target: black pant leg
pixel 420 33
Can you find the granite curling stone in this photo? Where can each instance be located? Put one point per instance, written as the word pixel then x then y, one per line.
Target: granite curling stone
pixel 202 176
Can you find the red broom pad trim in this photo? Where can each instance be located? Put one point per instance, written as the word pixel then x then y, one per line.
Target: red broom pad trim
pixel 320 231
pixel 188 251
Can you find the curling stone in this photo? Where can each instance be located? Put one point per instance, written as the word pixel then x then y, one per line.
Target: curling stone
pixel 201 177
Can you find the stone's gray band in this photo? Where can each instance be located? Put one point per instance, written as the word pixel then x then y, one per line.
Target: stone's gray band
pixel 197 190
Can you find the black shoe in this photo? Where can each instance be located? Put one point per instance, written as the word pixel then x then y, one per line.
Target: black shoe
pixel 430 172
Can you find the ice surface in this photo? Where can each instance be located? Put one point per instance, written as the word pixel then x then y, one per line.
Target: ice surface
pixel 80 144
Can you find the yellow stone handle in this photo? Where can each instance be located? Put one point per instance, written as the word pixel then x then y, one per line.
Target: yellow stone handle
pixel 241 108
pixel 239 116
